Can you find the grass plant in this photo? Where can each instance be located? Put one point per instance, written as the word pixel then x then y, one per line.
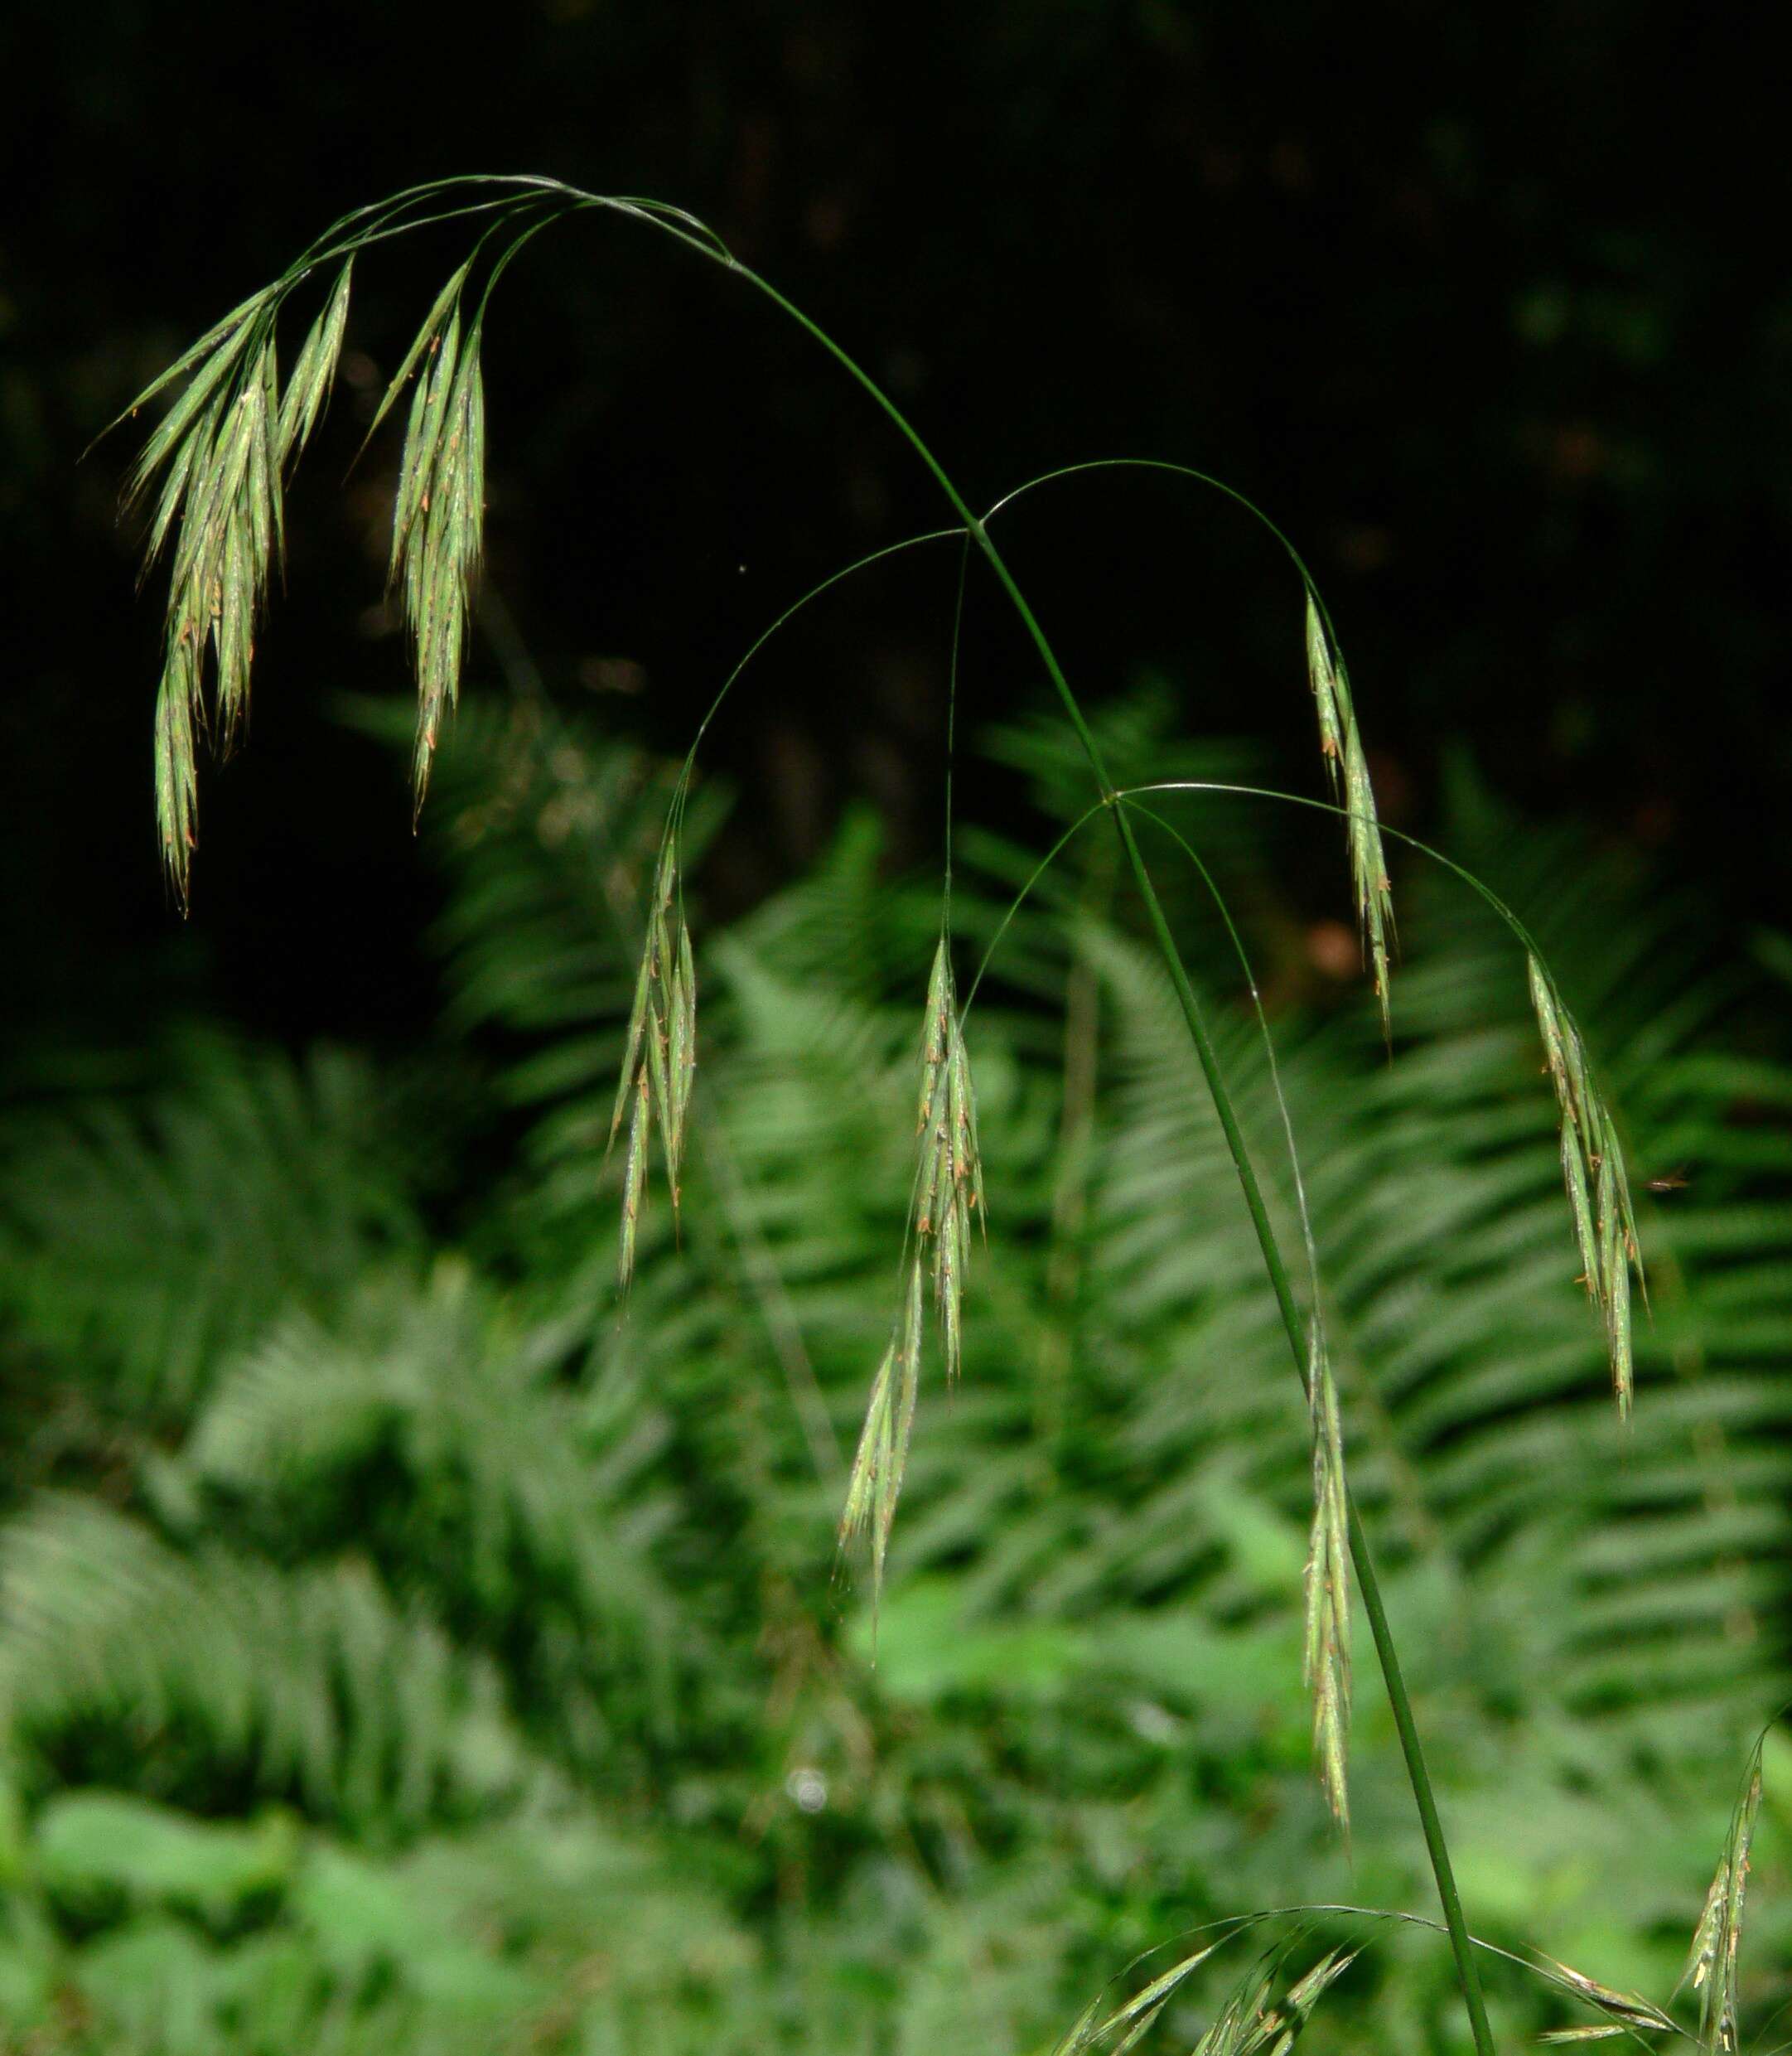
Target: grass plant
pixel 211 478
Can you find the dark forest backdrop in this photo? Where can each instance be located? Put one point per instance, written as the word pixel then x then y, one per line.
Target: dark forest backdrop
pixel 1486 305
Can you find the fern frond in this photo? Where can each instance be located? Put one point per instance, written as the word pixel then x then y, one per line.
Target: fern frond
pixel 316 1682
pixel 146 1241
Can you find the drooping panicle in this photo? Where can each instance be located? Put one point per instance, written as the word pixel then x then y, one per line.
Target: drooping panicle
pixel 220 454
pixel 438 510
pixel 1342 747
pixel 202 450
pixel 949 1188
pixel 659 1051
pixel 1592 1168
pixel 1251 2022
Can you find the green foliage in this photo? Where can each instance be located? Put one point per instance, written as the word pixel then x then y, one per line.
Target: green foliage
pixel 148 1238
pixel 413 1651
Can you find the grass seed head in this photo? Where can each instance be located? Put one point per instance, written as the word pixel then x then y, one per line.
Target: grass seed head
pixel 438 531
pixel 1626 2013
pixel 1327 1658
pixel 1348 770
pixel 1143 2007
pixel 634 1183
pixel 314 371
pixel 1598 1187
pixel 216 463
pixel 950 1179
pixel 1243 2026
pixel 875 1482
pixel 948 1185
pixel 439 509
pixel 1712 1963
pixel 659 1051
pixel 1322 679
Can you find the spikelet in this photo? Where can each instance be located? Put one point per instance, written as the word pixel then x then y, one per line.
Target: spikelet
pixel 1243 2026
pixel 1342 747
pixel 217 478
pixel 225 547
pixel 1326 1658
pixel 1626 2013
pixel 438 511
pixel 1710 1964
pixel 216 463
pixel 948 1188
pixel 659 1056
pixel 1139 2012
pixel 220 454
pixel 1249 2024
pixel 1280 2026
pixel 881 1456
pixel 1592 1169
pixel 314 371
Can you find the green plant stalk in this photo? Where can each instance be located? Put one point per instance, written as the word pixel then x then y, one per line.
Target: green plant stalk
pixel 1436 1848
pixel 377 223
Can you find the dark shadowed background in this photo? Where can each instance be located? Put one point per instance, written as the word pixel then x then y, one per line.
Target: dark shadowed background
pixel 1486 305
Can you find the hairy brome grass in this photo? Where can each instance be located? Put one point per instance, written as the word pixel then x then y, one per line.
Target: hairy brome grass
pixel 217 461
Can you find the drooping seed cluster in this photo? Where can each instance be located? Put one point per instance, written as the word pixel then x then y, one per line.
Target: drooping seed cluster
pixel 222 452
pixel 439 514
pixel 1249 2023
pixel 1627 2015
pixel 1593 1166
pixel 1326 1662
pixel 1342 747
pixel 878 1463
pixel 949 1188
pixel 659 1060
pixel 1712 1963
pixel 950 1184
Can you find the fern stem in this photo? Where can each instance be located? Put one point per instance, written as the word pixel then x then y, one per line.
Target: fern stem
pixel 1436 1848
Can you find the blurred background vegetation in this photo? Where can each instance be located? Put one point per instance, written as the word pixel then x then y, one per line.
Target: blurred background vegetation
pixel 399 1649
